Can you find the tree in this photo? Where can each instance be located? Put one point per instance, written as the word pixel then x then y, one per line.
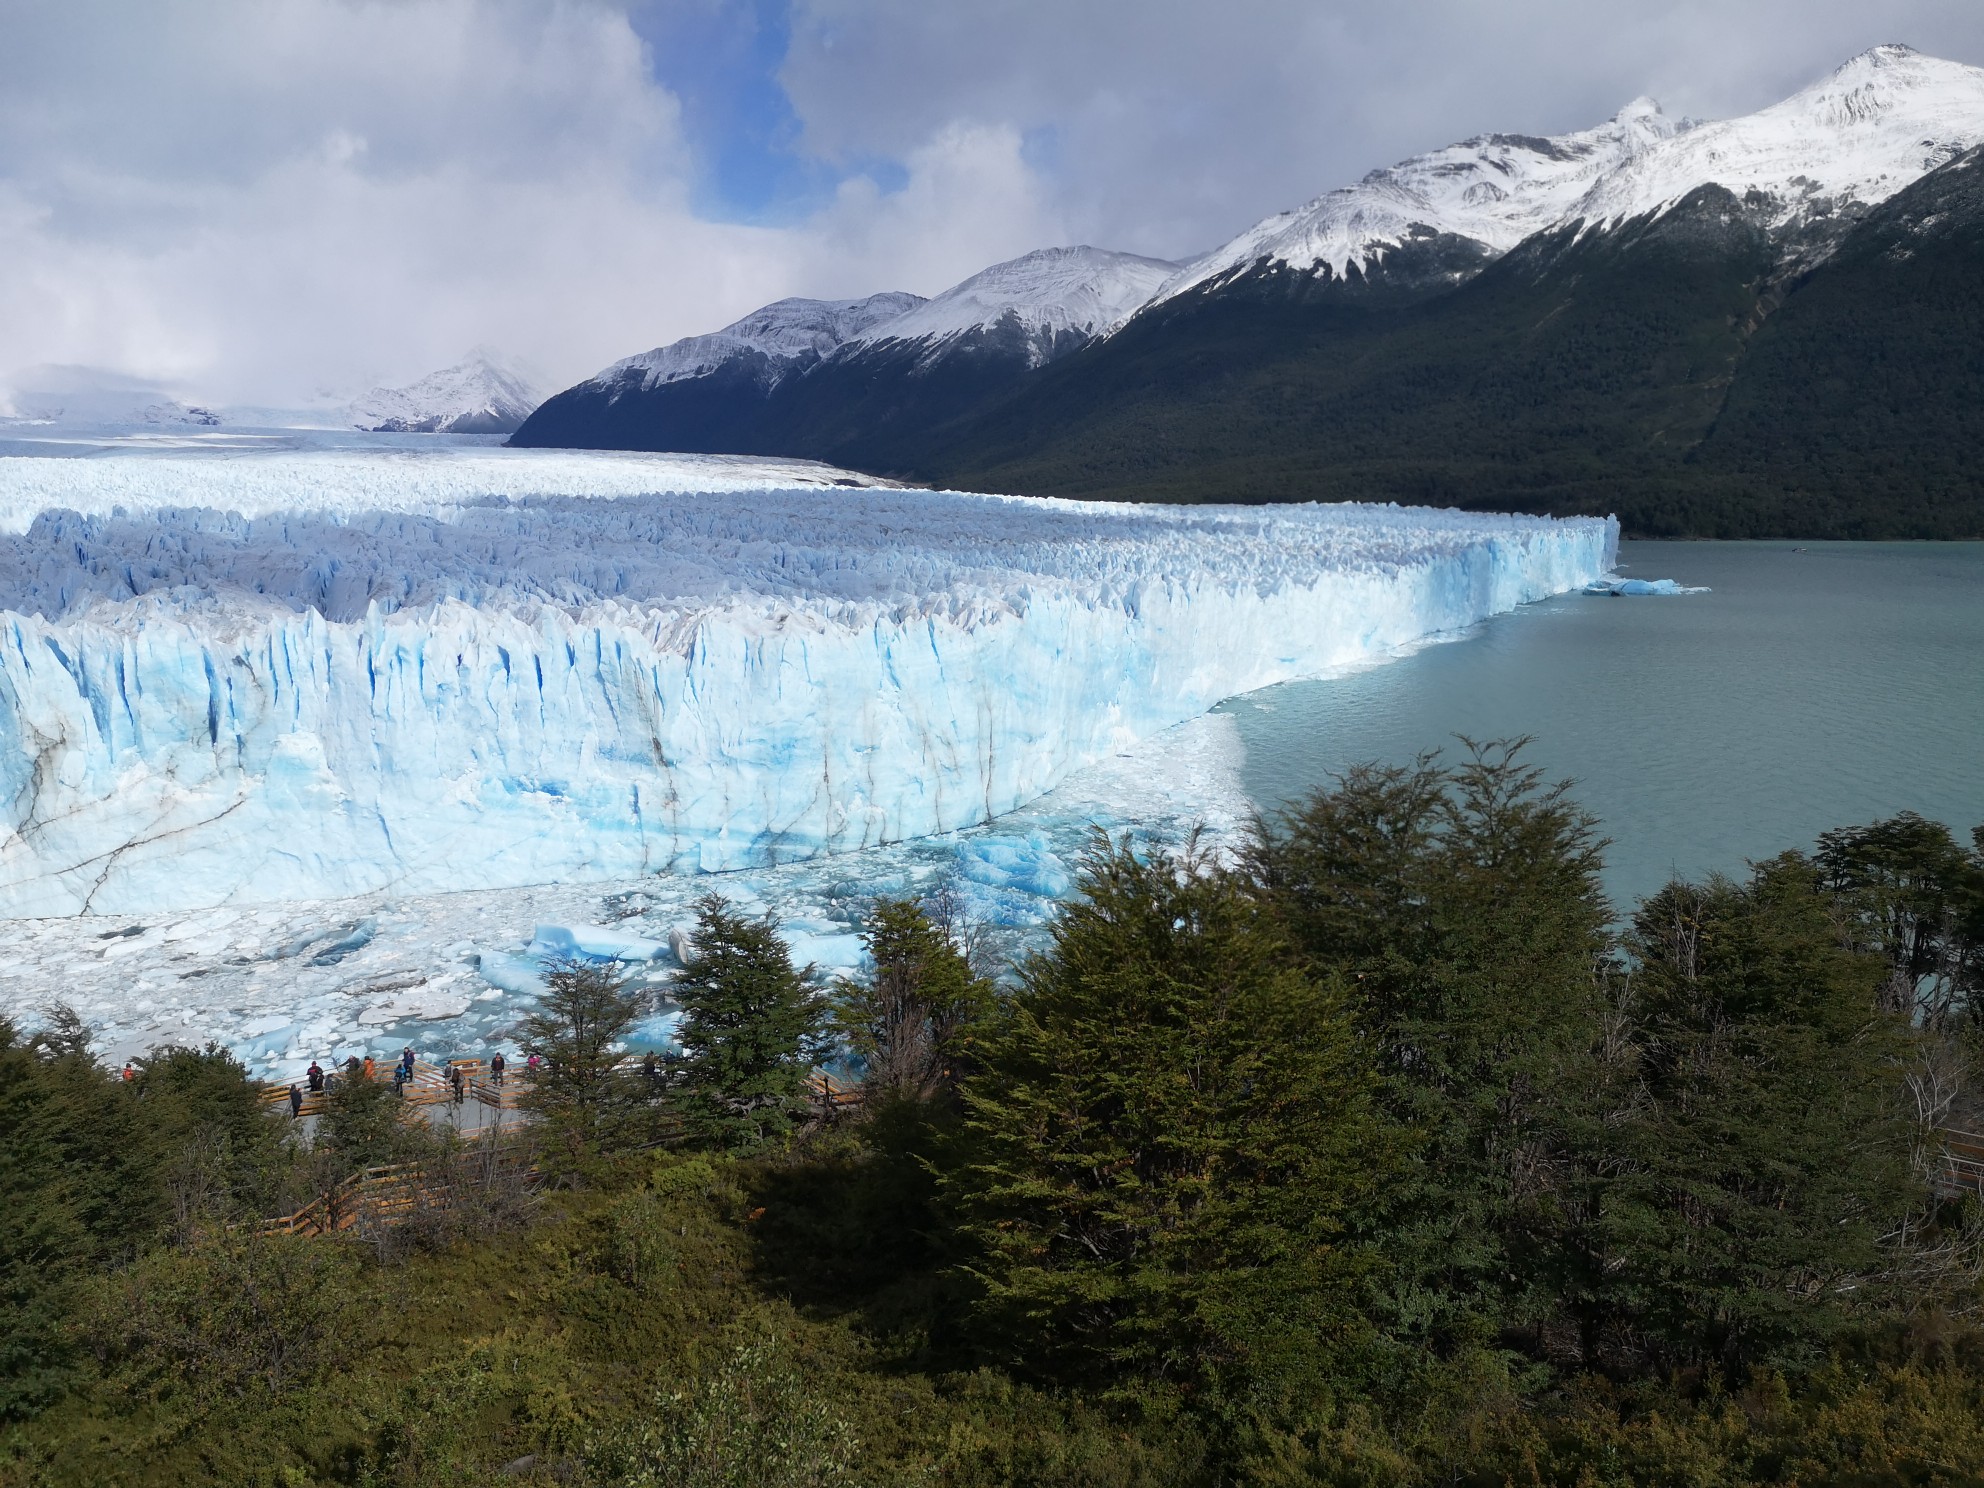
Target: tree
pixel 1163 1149
pixel 1917 901
pixel 362 1123
pixel 78 1191
pixel 1461 905
pixel 911 1018
pixel 1762 1193
pixel 577 1032
pixel 751 1031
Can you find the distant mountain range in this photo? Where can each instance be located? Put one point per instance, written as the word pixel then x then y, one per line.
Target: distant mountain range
pixel 1764 325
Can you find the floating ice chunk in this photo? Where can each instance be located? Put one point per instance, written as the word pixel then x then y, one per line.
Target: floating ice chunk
pixel 1617 587
pixel 1028 864
pixel 427 1004
pixel 509 973
pixel 826 953
pixel 592 943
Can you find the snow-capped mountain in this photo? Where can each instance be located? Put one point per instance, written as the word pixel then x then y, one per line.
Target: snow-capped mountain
pixel 788 334
pixel 1582 322
pixel 1852 139
pixel 815 360
pixel 482 394
pixel 1877 124
pixel 1495 190
pixel 1053 295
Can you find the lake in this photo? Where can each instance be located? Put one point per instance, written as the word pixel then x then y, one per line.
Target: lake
pixel 1815 686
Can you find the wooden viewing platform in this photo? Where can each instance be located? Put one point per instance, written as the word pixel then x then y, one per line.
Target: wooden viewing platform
pixel 432 1085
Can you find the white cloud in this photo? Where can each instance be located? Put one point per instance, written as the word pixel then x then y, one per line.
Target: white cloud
pixel 258 199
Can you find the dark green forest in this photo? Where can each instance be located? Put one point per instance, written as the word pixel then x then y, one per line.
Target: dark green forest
pixel 1389 1152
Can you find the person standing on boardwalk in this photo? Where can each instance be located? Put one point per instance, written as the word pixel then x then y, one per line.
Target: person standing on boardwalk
pixel 295 1101
pixel 371 1070
pixel 496 1068
pixel 315 1075
pixel 455 1082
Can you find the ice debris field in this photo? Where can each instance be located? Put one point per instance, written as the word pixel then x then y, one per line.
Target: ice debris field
pixel 288 729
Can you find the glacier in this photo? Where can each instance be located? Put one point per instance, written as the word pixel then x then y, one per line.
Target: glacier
pixel 286 676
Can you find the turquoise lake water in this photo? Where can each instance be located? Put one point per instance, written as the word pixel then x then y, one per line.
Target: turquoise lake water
pixel 1812 688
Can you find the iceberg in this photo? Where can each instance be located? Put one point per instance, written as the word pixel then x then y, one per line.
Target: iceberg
pixel 302 675
pixel 592 943
pixel 1625 588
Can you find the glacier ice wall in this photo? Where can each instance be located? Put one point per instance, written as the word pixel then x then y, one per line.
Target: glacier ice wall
pixel 493 670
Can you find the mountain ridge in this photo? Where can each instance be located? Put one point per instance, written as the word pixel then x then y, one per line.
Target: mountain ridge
pixel 1398 308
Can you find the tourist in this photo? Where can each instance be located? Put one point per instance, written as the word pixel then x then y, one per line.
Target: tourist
pixel 496 1068
pixel 130 1072
pixel 371 1070
pixel 530 1068
pixel 455 1082
pixel 295 1101
pixel 315 1075
pixel 406 1061
pixel 651 1072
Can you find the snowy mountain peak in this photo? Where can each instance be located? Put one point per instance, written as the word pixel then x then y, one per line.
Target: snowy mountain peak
pixel 1856 136
pixel 484 393
pixel 1495 189
pixel 1051 293
pixel 787 332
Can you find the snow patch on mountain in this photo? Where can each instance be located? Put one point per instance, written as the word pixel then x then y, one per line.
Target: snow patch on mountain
pixel 789 334
pixel 482 394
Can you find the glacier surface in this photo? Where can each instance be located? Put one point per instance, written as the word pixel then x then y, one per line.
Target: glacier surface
pixel 306 675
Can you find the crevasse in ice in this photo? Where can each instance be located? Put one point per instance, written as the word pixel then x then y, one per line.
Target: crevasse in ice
pixel 494 668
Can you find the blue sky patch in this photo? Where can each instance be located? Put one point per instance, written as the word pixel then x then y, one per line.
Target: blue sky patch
pixel 721 59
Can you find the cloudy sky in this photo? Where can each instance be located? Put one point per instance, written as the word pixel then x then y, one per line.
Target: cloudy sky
pixel 261 200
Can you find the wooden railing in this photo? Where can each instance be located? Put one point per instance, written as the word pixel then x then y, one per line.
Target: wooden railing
pixel 392 1194
pixel 433 1085
pixel 1962 1170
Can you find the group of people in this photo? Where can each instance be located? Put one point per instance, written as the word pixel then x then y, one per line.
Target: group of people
pixel 317 1080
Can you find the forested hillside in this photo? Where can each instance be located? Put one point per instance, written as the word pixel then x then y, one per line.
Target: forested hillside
pixel 1668 370
pixel 1385 1156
